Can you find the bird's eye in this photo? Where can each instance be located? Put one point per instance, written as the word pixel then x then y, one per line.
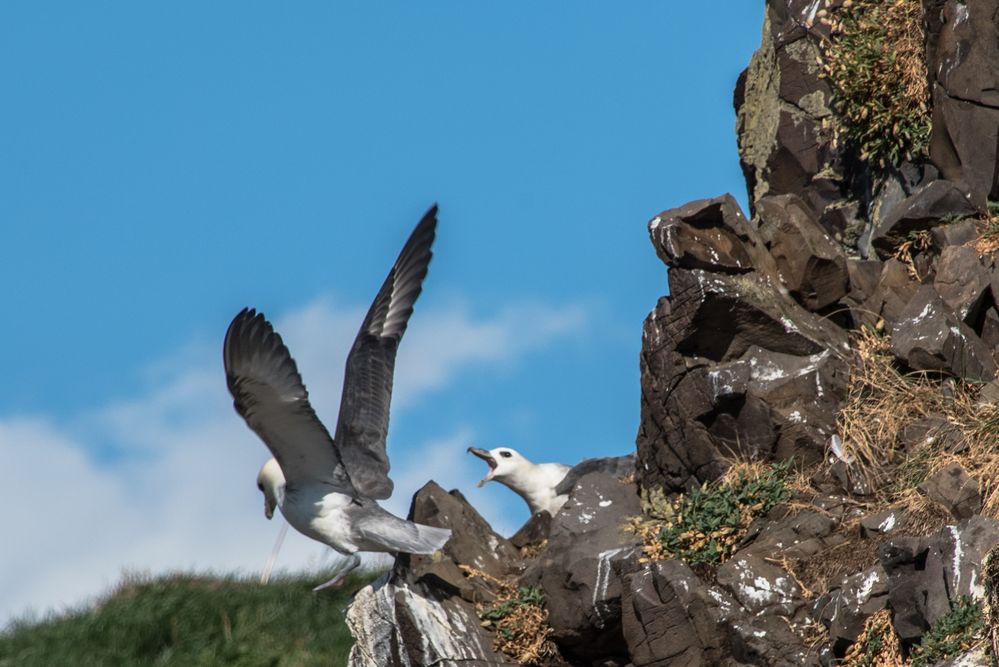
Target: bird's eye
pixel 260 486
pixel 506 455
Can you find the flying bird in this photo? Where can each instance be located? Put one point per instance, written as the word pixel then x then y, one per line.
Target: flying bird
pixel 545 486
pixel 327 487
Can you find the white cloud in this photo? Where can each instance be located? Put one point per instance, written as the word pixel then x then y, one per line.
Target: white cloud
pixel 180 492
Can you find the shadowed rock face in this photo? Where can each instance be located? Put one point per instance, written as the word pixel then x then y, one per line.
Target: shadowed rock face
pixel 731 362
pixel 749 356
pixel 580 570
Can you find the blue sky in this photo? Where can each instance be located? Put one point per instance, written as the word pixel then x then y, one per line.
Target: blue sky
pixel 164 165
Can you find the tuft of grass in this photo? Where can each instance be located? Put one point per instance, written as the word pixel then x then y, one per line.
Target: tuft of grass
pixel 706 525
pixel 988 230
pixel 519 619
pixel 875 61
pixel 877 646
pixel 871 425
pixel 869 421
pixel 194 620
pixel 916 241
pixel 956 632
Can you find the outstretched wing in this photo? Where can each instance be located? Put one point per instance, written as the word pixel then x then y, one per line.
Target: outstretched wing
pixel 268 393
pixel 367 385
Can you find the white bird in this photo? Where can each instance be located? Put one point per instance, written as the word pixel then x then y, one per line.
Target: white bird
pixel 534 482
pixel 326 487
pixel 546 486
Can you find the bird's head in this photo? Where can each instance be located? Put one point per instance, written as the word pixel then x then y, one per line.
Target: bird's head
pixel 504 463
pixel 270 481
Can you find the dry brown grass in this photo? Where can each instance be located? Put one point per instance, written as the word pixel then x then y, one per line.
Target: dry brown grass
pixel 531 551
pixel 909 248
pixel 987 242
pixel 878 645
pixel 881 402
pixel 521 629
pixel 649 530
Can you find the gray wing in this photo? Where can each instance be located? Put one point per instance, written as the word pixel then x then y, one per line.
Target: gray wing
pixel 618 466
pixel 268 393
pixel 367 384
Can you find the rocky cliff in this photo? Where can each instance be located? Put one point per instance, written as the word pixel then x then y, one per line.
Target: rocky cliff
pixel 817 472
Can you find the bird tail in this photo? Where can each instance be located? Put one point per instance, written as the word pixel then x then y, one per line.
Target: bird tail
pixel 428 539
pixel 398 535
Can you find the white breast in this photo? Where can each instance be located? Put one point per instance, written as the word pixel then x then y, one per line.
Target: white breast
pixel 321 516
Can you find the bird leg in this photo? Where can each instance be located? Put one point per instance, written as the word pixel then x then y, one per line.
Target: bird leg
pixel 352 563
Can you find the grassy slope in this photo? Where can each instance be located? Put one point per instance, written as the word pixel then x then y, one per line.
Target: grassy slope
pixel 194 620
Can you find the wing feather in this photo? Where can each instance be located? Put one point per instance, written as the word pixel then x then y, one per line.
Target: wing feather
pixel 362 426
pixel 268 393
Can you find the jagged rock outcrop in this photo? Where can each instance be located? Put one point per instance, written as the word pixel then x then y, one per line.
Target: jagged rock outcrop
pixel 751 357
pixel 422 612
pixel 767 378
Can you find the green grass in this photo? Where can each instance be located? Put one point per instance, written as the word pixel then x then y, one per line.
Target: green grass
pixel 954 633
pixel 709 522
pixel 194 620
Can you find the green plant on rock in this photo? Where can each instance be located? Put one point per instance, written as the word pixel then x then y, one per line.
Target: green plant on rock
pixel 708 523
pixel 875 60
pixel 954 633
pixel 526 595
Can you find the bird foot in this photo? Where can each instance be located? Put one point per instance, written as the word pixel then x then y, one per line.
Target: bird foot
pixel 335 582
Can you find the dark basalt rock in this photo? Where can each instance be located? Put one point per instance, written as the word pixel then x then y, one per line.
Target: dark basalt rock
pixel 864 276
pixel 845 609
pixel 963 283
pixel 921 211
pixel 710 234
pixel 809 263
pixel 622 467
pixel 534 532
pixel 928 337
pixel 964 66
pixel 926 575
pixel 671 617
pixel 799 535
pixel 765 381
pixel 473 543
pixel 759 586
pixel 894 291
pixel 580 570
pixel 421 612
pixel 961 232
pixel 955 490
pixel 881 523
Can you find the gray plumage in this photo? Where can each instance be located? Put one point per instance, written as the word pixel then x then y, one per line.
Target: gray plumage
pixel 327 486
pixel 362 426
pixel 269 394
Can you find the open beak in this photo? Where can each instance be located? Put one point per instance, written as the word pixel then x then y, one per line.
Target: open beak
pixel 487 457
